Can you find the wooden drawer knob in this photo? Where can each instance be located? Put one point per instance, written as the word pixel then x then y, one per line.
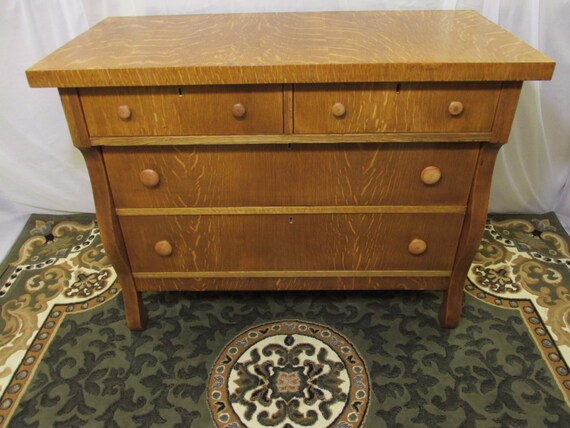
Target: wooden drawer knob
pixel 455 108
pixel 124 112
pixel 338 110
pixel 149 178
pixel 417 247
pixel 238 110
pixel 163 248
pixel 430 175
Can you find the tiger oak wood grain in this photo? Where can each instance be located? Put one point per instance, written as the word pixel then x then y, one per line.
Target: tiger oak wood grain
pixel 391 107
pixel 291 242
pixel 184 110
pixel 298 174
pixel 366 46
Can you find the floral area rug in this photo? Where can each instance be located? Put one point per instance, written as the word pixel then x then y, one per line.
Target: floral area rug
pixel 289 359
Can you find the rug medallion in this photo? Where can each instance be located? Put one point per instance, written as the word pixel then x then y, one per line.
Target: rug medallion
pixel 290 374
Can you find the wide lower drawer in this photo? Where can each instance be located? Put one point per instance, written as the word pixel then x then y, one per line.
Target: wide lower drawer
pixel 395 107
pixel 298 174
pixel 186 110
pixel 297 242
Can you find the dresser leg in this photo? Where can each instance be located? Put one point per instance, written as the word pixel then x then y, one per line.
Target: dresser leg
pixel 135 311
pixel 471 234
pixel 450 309
pixel 112 238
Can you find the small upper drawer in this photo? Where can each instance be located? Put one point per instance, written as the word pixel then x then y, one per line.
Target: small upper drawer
pixel 185 110
pixel 395 107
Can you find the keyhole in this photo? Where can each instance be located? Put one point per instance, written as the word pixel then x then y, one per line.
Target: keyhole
pixel 291 220
pixel 398 87
pixel 180 93
pixel 289 146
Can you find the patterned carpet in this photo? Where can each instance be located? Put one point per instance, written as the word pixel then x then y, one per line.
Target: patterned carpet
pixel 286 360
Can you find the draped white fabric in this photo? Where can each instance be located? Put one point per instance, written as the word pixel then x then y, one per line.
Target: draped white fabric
pixel 40 171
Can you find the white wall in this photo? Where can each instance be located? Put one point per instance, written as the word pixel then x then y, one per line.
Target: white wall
pixel 40 171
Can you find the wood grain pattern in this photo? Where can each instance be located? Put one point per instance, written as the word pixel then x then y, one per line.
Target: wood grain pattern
pixel 471 234
pixel 367 46
pixel 291 242
pixel 270 284
pixel 184 110
pixel 298 174
pixel 223 140
pixel 395 107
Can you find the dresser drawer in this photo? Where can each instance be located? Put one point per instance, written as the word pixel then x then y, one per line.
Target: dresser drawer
pixel 186 110
pixel 395 107
pixel 298 242
pixel 299 174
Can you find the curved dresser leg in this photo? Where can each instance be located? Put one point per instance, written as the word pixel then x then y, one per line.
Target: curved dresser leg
pixel 112 238
pixel 471 234
pixel 135 312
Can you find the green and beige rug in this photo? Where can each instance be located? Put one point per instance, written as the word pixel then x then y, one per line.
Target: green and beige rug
pixel 285 360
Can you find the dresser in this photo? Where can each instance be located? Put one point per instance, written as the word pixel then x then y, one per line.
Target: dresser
pixel 292 151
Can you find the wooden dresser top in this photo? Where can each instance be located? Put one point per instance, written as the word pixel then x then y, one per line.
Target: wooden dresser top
pixel 291 47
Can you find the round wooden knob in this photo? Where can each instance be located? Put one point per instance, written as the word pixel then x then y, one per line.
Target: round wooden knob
pixel 430 175
pixel 417 247
pixel 149 177
pixel 338 110
pixel 124 112
pixel 455 108
pixel 163 248
pixel 238 110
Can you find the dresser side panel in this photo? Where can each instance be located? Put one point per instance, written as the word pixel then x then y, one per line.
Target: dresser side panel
pixel 107 221
pixel 506 109
pixel 75 118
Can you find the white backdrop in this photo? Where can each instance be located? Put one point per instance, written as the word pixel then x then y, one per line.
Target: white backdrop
pixel 40 171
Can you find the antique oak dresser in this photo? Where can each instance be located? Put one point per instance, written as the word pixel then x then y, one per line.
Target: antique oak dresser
pixel 281 151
